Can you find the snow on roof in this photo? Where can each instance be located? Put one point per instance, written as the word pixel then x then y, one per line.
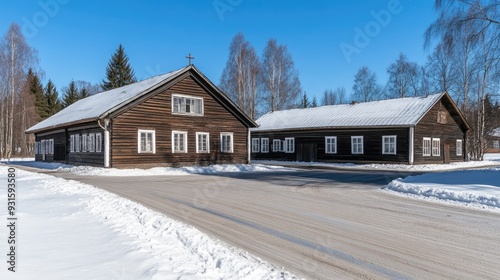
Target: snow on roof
pixel 96 105
pixel 393 112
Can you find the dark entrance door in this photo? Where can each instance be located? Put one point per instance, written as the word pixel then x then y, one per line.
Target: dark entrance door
pixel 446 153
pixel 307 152
pixel 59 152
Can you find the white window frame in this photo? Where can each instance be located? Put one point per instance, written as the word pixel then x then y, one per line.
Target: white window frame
pixel 356 151
pixel 84 143
pixel 92 142
pixel 72 143
pixel 153 141
pixel 330 148
pixel 78 145
pixel 226 134
pixel 460 147
pixel 277 145
pixel 180 105
pixel 98 142
pixel 436 147
pixel 37 147
pixel 496 144
pixel 51 146
pixel 264 145
pixel 388 138
pixel 176 145
pixel 201 151
pixel 290 145
pixel 255 145
pixel 427 146
pixel 43 146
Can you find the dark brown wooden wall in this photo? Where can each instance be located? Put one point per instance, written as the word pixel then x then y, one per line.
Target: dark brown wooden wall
pixel 155 113
pixel 87 158
pixel 448 134
pixel 59 145
pixel 372 144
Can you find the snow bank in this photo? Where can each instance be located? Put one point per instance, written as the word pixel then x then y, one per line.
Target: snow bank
pixel 477 188
pixel 70 230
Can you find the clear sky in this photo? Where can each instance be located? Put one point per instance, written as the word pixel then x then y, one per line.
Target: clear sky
pixel 328 40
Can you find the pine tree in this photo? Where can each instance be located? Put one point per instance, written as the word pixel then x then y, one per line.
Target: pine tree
pixel 36 88
pixel 71 95
pixel 52 96
pixel 83 93
pixel 118 72
pixel 305 101
pixel 314 103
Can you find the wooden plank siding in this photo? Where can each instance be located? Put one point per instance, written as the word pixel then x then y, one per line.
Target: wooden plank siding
pixel 448 132
pixel 155 113
pixel 372 144
pixel 86 158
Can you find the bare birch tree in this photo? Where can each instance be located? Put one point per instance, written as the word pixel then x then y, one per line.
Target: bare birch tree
pixel 365 86
pixel 16 58
pixel 240 76
pixel 280 79
pixel 403 77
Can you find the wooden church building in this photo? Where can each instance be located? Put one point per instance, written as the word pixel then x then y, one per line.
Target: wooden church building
pixel 179 118
pixel 413 130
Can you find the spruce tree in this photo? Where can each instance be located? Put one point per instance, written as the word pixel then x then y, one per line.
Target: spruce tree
pixel 118 72
pixel 36 88
pixel 71 95
pixel 305 101
pixel 314 103
pixel 52 96
pixel 83 93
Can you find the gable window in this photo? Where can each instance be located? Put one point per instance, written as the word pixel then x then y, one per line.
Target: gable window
pixel 496 144
pixel 77 143
pixel 92 142
pixel 389 145
pixel 255 145
pixel 459 148
pixel 187 105
pixel 202 142
pixel 179 139
pixel 146 141
pixel 357 144
pixel 331 144
pixel 264 145
pixel 290 145
pixel 84 142
pixel 276 145
pixel 436 146
pixel 98 142
pixel 226 142
pixel 441 119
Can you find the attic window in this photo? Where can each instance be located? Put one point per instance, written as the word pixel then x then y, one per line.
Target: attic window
pixel 187 105
pixel 441 117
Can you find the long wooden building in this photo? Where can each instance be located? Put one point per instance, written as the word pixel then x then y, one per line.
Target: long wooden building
pixel 413 130
pixel 179 118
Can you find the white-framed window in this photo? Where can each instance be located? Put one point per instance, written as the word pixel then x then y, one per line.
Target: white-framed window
pixel 496 144
pixel 37 148
pixel 98 142
pixel 226 142
pixel 426 146
pixel 77 143
pixel 51 146
pixel 43 146
pixel 146 141
pixel 459 147
pixel 255 145
pixel 264 145
pixel 277 145
pixel 84 143
pixel 202 142
pixel 187 105
pixel 436 146
pixel 331 144
pixel 389 144
pixel 72 143
pixel 290 145
pixel 357 144
pixel 92 142
pixel 179 142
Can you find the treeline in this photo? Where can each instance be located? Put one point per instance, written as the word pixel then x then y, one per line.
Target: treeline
pixel 25 100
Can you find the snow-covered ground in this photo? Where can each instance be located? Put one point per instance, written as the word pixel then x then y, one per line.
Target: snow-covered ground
pixel 69 230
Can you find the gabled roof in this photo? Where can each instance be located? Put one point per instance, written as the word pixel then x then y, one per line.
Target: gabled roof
pixel 401 112
pixel 103 104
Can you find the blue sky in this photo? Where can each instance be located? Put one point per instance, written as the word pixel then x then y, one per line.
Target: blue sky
pixel 329 40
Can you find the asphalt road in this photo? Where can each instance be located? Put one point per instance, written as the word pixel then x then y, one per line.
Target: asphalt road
pixel 324 224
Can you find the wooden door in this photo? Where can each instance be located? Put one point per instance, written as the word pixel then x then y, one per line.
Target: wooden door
pixel 446 153
pixel 307 152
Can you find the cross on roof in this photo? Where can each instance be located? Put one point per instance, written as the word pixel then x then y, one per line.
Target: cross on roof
pixel 189 57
